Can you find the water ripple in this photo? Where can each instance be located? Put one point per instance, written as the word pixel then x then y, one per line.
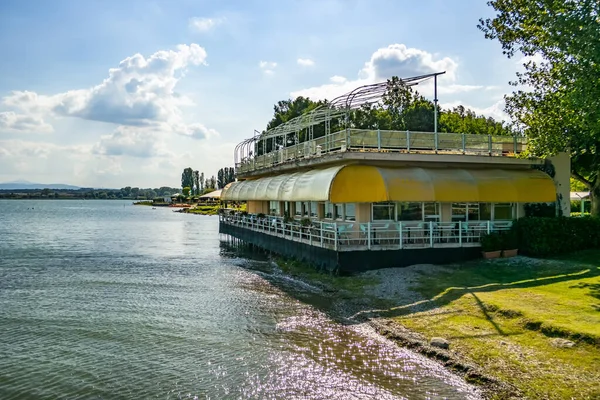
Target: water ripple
pixel 103 300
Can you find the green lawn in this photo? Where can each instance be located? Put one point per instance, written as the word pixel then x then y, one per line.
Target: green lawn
pixel 506 315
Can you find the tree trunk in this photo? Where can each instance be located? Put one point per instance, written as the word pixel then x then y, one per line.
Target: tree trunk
pixel 595 198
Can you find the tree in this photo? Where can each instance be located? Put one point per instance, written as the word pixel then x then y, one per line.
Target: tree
pixel 196 187
pixel 225 176
pixel 231 175
pixel 186 191
pixel 558 107
pixel 187 178
pixel 211 183
pixel 201 182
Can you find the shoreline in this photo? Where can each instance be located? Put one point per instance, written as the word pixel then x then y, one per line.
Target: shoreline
pixel 388 301
pixel 351 310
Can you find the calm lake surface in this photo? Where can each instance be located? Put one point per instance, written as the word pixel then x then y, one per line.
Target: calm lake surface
pixel 105 300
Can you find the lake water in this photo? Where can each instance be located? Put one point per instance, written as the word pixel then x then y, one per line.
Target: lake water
pixel 105 300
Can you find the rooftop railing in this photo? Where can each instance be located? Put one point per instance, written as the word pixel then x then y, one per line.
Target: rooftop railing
pixel 349 236
pixel 360 140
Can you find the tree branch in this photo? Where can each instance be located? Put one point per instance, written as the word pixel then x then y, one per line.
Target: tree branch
pixel 581 179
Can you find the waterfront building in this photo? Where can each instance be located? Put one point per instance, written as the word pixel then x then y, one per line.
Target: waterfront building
pixel 354 199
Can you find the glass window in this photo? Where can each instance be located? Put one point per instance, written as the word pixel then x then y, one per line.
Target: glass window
pixel 350 212
pixel 286 210
pixel 473 212
pixel 339 211
pixel 298 211
pixel 328 210
pixel 313 209
pixel 503 211
pixel 459 212
pixel 306 209
pixel 431 211
pixel 384 211
pixel 410 211
pixel 274 207
pixel 485 211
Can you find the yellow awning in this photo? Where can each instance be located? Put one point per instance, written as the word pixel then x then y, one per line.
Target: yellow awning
pixel 370 184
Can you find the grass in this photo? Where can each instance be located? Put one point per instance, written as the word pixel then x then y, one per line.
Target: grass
pixel 204 210
pixel 505 316
pixel 212 209
pixel 353 285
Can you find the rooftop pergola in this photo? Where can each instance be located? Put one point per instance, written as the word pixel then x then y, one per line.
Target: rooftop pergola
pixel 339 109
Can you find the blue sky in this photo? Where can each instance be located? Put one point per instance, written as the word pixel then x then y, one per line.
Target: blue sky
pixel 114 93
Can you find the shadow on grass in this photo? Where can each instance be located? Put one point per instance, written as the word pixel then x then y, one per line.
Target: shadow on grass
pixel 453 293
pixel 449 285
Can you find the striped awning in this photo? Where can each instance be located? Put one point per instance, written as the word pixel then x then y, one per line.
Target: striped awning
pixel 371 184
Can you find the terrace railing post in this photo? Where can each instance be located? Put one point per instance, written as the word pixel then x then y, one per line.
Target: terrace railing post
pixel 408 140
pixel 464 143
pixel 435 140
pixel 460 233
pixel 400 234
pixel 378 139
pixel 515 144
pixel 431 234
pixel 335 236
pixel 369 235
pixel 321 232
pixel 490 144
pixel 347 138
pixel 489 227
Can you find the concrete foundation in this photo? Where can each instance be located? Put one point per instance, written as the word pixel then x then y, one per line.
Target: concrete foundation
pixel 349 262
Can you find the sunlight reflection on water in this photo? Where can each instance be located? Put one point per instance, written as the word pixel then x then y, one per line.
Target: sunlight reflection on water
pixel 107 300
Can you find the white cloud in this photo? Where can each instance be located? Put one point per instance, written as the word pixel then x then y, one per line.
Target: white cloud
pixel 338 79
pixel 399 60
pixel 131 141
pixel 394 60
pixel 198 131
pixel 139 92
pixel 204 24
pixel 11 121
pixel 268 67
pixel 37 161
pixel 305 62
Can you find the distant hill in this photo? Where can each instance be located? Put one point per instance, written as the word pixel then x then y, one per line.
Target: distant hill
pixel 24 185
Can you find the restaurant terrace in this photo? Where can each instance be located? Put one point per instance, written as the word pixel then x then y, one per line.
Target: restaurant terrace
pixel 354 199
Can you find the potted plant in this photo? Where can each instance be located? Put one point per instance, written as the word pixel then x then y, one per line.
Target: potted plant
pixel 510 243
pixel 491 245
pixel 306 224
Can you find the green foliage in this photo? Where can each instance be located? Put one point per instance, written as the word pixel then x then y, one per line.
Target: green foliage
pixel 461 120
pixel 286 218
pixel 187 178
pixel 509 240
pixel 560 109
pixel 578 186
pixel 544 236
pixel 578 214
pixel 211 183
pixel 260 215
pixel 196 181
pixel 540 209
pixel 225 176
pixel 305 222
pixel 186 191
pixel 491 242
pixel 402 108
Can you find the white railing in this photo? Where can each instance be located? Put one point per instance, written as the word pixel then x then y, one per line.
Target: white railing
pixel 346 236
pixel 387 141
